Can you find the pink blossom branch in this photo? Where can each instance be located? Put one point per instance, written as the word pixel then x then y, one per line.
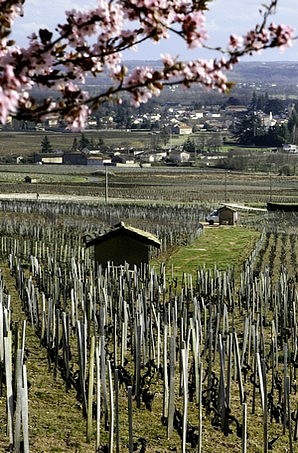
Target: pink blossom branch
pixel 92 42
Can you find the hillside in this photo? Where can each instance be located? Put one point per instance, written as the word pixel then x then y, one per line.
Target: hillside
pixel 223 332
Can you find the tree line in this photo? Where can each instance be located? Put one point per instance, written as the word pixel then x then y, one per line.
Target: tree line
pixel 250 129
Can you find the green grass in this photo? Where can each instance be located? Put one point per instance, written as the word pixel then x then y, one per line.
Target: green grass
pixel 222 247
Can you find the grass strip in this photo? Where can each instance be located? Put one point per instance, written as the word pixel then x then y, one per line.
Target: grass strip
pixel 220 246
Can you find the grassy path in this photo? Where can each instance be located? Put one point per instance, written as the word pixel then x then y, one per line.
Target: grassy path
pixel 222 246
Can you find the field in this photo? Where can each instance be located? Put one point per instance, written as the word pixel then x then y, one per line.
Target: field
pixel 29 143
pixel 148 184
pixel 196 352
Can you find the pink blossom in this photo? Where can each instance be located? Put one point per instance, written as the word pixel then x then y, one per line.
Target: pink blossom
pixel 235 42
pixel 167 59
pixel 78 118
pixel 283 34
pixel 94 41
pixel 194 29
pixel 8 103
pixel 139 76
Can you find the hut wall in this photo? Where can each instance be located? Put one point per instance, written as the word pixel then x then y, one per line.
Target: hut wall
pixel 227 216
pixel 121 249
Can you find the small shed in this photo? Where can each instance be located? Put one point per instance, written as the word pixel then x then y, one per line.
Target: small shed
pixel 30 180
pixel 123 244
pixel 227 215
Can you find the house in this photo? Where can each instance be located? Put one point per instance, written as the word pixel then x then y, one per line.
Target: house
pixel 123 161
pixel 236 108
pixel 155 157
pixel 53 121
pixel 94 160
pixel 181 129
pixel 180 156
pixel 123 244
pixel 227 215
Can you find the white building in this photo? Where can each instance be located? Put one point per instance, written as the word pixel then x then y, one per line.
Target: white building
pixel 180 156
pixel 288 148
pixel 182 129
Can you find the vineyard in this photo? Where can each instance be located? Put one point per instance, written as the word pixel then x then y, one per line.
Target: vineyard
pixel 173 184
pixel 116 359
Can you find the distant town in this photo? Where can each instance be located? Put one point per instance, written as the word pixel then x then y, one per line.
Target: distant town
pixel 187 126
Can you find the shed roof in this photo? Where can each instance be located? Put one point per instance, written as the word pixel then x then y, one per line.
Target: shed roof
pixel 125 230
pixel 227 207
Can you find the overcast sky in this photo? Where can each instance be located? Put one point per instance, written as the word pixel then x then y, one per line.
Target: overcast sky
pixel 225 17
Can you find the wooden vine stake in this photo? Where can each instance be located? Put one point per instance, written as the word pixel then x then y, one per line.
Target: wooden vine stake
pixel 112 413
pixel 90 389
pixel 184 356
pixel 196 355
pixel 263 392
pixel 138 365
pixel 165 380
pixel 117 410
pixel 9 389
pixel 25 411
pixel 200 408
pixel 238 367
pixel 287 390
pixel 18 409
pixel 285 418
pixel 97 444
pixel 82 366
pixel 172 388
pixel 244 428
pixel 130 431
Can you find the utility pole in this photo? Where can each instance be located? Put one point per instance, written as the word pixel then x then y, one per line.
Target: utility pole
pixel 226 187
pixel 270 184
pixel 106 184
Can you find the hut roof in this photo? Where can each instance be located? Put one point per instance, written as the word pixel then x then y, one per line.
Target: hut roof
pixel 227 207
pixel 125 230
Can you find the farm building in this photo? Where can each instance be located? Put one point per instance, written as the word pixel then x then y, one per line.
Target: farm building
pixel 123 244
pixel 55 158
pixel 227 215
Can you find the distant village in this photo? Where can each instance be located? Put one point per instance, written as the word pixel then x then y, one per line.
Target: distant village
pixel 215 122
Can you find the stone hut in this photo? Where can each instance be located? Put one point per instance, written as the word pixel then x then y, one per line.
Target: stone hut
pixel 123 244
pixel 227 215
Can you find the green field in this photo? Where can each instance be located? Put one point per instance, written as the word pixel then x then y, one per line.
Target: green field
pixel 219 248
